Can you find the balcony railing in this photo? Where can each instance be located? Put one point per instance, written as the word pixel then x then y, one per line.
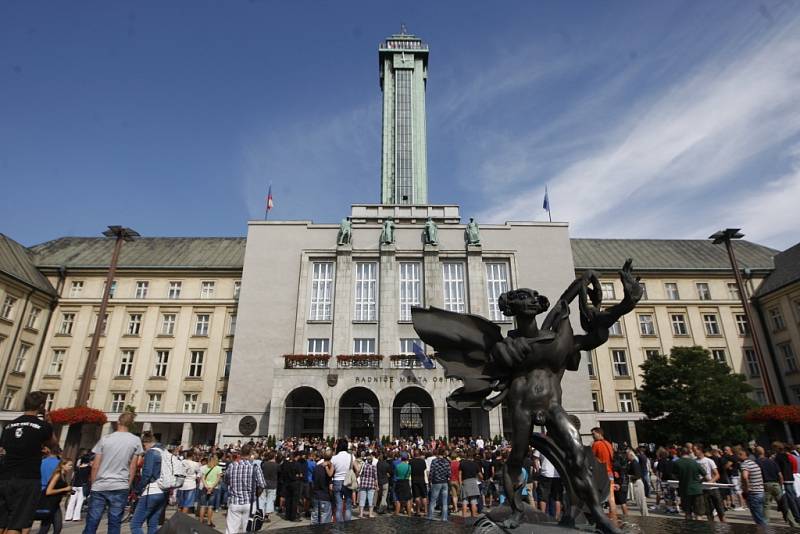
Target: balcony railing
pixel 359 361
pixel 407 361
pixel 306 361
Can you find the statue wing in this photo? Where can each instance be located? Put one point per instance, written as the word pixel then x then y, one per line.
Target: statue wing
pixel 462 343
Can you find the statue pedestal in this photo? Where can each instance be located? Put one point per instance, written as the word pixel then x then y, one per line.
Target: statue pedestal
pixel 473 249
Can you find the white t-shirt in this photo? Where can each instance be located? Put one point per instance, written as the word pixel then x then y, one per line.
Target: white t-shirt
pixel 547 469
pixel 192 472
pixel 708 466
pixel 479 443
pixel 341 463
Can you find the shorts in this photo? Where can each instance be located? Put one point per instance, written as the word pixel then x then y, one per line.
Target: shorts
pixel 693 504
pixel 19 499
pixel 419 490
pixel 469 489
pixel 186 498
pixel 208 500
pixel 550 487
pixel 402 490
pixel 305 490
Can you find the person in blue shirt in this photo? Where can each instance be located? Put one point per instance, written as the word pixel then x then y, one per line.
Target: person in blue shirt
pixel 151 497
pixel 49 463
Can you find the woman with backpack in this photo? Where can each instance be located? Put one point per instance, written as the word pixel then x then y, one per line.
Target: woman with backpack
pixel 57 487
pixel 152 499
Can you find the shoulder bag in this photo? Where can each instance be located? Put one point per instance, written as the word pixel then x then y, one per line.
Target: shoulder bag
pixel 350 479
pixel 256 519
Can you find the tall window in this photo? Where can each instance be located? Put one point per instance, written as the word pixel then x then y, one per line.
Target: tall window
pixel 207 289
pixel 237 289
pixel 366 291
pixel 49 400
pixel 644 290
pixel 104 326
pixel 117 402
pixel 759 396
pixel 33 318
pixel 751 361
pixel 126 363
pixel 608 290
pixel 196 363
pixel 410 284
pixel 141 289
pixel 776 317
pixel 679 324
pixel 711 324
pixel 595 401
pixel 407 345
pixel 321 291
pixel 453 276
pixel 161 363
pixel 703 292
pixel 134 324
pixel 154 402
pixel 671 289
pixel 733 291
pixel 625 401
pixel 226 372
pixel 619 362
pixel 789 358
pixel 7 311
pixel 76 288
pixel 646 325
pixel 496 285
pixel 113 289
pixel 719 355
pixel 590 364
pixel 201 324
pixel 190 402
pixel 67 322
pixel 175 289
pixel 741 324
pixel 22 354
pixel 319 346
pixel 615 329
pixel 168 324
pixel 223 400
pixel 363 345
pixel 232 325
pixel 651 353
pixel 403 136
pixel 56 362
pixel 8 398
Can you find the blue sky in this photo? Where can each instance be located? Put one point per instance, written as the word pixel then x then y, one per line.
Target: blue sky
pixel 645 119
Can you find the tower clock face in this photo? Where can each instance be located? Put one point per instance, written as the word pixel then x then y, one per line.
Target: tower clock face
pixel 403 61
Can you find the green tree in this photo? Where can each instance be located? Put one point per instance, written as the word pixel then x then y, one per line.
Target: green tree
pixel 689 396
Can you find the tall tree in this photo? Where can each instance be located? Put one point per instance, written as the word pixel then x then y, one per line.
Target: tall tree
pixel 689 396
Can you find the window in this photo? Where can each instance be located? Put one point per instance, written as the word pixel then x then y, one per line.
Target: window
pixel 232 325
pixel 134 324
pixel 49 400
pixel 67 322
pixel 496 285
pixel 175 289
pixel 407 345
pixel 7 311
pixel 154 402
pixel 226 372
pixel 201 324
pixel 8 398
pixel 733 291
pixel 671 289
pixel 751 361
pixel 103 326
pixel 453 276
pixel 644 290
pixel 113 289
pixel 703 292
pixel 759 396
pixel 237 289
pixel 615 329
pixel 76 288
pixel 168 324
pixel 190 402
pixel 595 401
pixel 321 346
pixel 646 325
pixel 196 363
pixel 679 324
pixel 711 324
pixel 590 365
pixel 366 291
pixel 33 318
pixel 19 363
pixel 410 284
pixel 363 345
pixel 776 317
pixel 321 291
pixel 719 355
pixel 741 324
pixel 651 353
pixel 619 361
pixel 56 362
pixel 608 290
pixel 141 289
pixel 789 359
pixel 162 361
pixel 625 401
pixel 207 289
pixel 126 363
pixel 223 400
pixel 117 402
pixel 796 393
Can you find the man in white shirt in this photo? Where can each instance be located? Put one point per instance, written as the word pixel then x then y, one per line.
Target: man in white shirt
pixel 342 462
pixel 479 443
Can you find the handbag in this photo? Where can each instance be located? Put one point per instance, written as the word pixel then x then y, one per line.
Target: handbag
pixel 256 519
pixel 350 479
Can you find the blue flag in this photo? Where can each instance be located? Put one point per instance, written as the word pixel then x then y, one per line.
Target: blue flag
pixel 423 358
pixel 546 203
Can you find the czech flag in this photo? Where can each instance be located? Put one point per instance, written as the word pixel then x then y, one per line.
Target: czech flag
pixel 423 358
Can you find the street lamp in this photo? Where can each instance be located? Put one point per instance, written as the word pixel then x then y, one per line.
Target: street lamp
pixel 725 237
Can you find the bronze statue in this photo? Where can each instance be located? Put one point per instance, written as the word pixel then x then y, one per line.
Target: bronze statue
pixel 345 232
pixel 524 371
pixel 430 234
pixel 472 233
pixel 387 233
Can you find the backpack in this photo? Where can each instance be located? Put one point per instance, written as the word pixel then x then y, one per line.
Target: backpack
pixel 173 472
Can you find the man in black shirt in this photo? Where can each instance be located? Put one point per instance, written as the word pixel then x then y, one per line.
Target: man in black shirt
pixel 487 486
pixel 321 487
pixel 295 473
pixel 419 488
pixel 787 473
pixel 468 472
pixel 20 478
pixel 384 475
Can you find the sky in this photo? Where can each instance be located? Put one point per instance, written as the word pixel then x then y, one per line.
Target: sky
pixel 644 119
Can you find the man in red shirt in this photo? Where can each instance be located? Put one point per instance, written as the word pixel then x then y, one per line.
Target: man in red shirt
pixel 604 452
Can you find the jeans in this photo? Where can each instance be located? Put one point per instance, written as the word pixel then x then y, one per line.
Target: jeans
pixel 267 501
pixel 756 503
pixel 115 501
pixel 321 512
pixel 439 495
pixel 366 497
pixel 791 502
pixel 384 491
pixel 148 510
pixel 340 493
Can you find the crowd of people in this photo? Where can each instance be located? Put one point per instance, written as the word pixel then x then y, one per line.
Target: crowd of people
pixel 135 478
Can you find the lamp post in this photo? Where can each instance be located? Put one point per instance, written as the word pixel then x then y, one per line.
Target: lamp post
pixel 725 236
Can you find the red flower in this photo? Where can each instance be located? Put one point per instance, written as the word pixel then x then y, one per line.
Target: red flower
pixel 772 412
pixel 78 414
